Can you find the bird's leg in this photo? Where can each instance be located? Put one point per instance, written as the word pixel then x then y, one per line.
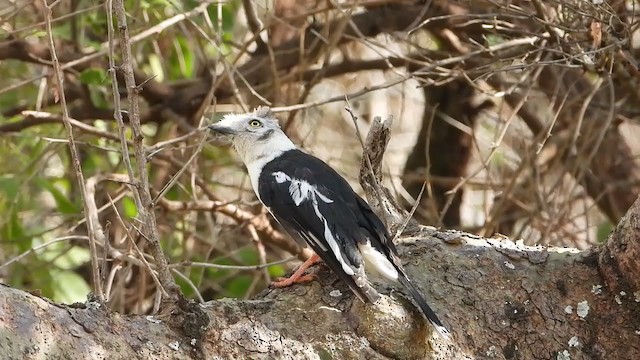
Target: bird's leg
pixel 297 276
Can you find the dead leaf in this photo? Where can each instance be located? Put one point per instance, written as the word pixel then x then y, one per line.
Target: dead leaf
pixel 596 34
pixel 56 89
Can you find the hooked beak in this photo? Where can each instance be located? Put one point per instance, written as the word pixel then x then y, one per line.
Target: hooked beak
pixel 220 129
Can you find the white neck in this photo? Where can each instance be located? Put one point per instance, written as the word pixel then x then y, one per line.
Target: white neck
pixel 256 154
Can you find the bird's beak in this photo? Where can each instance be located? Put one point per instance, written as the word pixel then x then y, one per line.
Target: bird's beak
pixel 221 129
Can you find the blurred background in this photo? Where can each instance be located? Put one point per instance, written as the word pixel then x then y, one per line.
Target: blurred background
pixel 521 117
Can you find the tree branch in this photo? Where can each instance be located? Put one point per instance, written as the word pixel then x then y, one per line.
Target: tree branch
pixel 619 258
pixel 492 293
pixel 380 198
pixel 259 222
pixel 142 195
pixel 93 231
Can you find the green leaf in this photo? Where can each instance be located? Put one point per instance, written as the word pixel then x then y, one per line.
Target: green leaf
pixel 32 276
pixel 9 186
pixel 98 98
pixel 152 4
pixel 93 161
pixel 229 11
pixel 276 271
pixel 64 205
pixel 181 61
pixel 93 76
pixel 603 231
pixel 96 79
pixel 73 258
pixel 68 287
pixel 96 26
pixel 129 207
pixel 186 289
pixel 238 286
pixel 173 193
pixel 14 231
pixel 62 31
pixel 215 274
pixel 155 67
pixel 493 39
pixel 248 256
pixel 114 158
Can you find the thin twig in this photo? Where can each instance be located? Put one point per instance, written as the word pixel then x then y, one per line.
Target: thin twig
pixel 233 267
pixel 42 246
pixel 122 131
pixel 109 282
pixel 254 23
pixel 143 199
pixel 75 159
pixel 410 215
pixel 352 95
pixel 205 103
pixel 375 178
pixel 136 248
pixel 54 20
pixel 193 286
pixel 260 222
pixel 334 39
pixel 354 118
pixel 262 254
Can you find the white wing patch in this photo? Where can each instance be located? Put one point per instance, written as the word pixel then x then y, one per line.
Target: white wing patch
pixel 301 191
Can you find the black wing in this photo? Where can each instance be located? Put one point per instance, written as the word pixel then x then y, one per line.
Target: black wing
pixel 317 206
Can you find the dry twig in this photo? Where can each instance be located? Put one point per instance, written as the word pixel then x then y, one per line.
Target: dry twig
pixel 93 230
pixel 142 195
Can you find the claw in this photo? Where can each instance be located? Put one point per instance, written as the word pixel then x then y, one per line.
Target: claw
pixel 284 282
pixel 298 277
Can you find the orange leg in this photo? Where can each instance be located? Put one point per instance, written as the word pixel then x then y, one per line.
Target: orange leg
pixel 298 276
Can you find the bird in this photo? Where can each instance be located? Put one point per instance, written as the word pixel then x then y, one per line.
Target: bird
pixel 317 207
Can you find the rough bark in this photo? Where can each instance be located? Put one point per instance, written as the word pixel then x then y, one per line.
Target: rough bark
pixel 382 202
pixel 500 300
pixel 620 256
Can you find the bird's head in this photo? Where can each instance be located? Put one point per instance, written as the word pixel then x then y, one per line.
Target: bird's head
pixel 254 135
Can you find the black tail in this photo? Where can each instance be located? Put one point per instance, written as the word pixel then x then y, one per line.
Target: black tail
pixel 426 310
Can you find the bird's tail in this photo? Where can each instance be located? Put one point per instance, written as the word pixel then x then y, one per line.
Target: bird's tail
pixel 426 310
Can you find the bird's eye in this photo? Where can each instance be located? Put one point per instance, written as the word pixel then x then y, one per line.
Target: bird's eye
pixel 255 123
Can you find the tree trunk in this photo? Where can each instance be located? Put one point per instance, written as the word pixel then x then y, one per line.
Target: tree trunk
pixel 501 300
pixel 442 150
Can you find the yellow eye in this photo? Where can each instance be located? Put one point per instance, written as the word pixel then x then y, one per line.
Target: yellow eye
pixel 255 123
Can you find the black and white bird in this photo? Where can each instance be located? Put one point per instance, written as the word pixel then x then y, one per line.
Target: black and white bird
pixel 317 207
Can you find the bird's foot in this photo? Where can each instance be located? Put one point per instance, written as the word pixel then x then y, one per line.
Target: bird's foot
pixel 284 282
pixel 298 276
